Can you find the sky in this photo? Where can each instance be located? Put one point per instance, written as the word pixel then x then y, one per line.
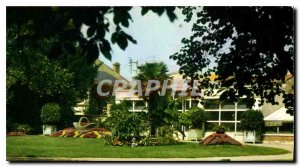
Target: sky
pixel 157 38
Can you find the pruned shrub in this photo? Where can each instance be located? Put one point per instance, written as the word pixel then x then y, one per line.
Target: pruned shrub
pixel 50 113
pixel 194 117
pixel 125 125
pixel 252 120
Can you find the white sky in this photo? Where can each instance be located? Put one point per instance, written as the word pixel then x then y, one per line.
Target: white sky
pixel 157 39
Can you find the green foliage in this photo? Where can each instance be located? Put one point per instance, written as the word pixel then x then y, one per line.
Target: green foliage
pixel 251 46
pixel 172 117
pixel 49 59
pixel 122 106
pixel 194 117
pixel 160 11
pixel 64 23
pixel 25 128
pixel 125 125
pixel 43 146
pixel 220 129
pixel 95 106
pixel 35 78
pixel 252 120
pixel 165 135
pixel 172 114
pixel 156 103
pixel 210 104
pixel 50 113
pixel 153 71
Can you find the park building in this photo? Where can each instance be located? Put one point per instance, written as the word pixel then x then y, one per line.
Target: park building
pixel 279 124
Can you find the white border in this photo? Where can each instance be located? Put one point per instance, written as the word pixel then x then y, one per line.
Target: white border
pixel 3 162
pixel 152 3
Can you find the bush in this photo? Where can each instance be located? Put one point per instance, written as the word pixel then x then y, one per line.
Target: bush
pixel 25 128
pixel 252 120
pixel 165 135
pixel 125 125
pixel 50 113
pixel 95 106
pixel 195 117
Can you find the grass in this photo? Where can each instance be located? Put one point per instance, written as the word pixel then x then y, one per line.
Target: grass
pixel 42 146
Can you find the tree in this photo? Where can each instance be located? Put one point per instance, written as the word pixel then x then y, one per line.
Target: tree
pixel 194 118
pixel 50 60
pixel 156 103
pixel 64 25
pixel 252 120
pixel 252 47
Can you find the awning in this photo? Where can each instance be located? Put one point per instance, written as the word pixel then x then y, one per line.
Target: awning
pixel 280 115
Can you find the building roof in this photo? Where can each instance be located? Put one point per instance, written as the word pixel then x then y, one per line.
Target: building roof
pixel 279 115
pixel 105 72
pixel 177 76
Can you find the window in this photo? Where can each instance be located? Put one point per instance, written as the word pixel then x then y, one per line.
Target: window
pixel 211 126
pixel 227 113
pixel 187 104
pixel 195 103
pixel 238 127
pixel 227 105
pixel 213 115
pixel 140 105
pixel 239 115
pixel 128 104
pixel 227 116
pixel 282 127
pixel 242 104
pixel 228 126
pixel 211 104
pixel 271 129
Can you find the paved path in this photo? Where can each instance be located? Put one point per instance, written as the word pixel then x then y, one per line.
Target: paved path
pixel 280 157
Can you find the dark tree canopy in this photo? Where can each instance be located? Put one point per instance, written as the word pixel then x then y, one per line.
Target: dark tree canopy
pixel 252 47
pixel 50 60
pixel 64 25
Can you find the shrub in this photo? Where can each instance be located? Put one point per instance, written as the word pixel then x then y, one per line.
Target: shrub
pixel 25 128
pixel 125 125
pixel 195 117
pixel 148 141
pixel 50 113
pixel 252 120
pixel 165 135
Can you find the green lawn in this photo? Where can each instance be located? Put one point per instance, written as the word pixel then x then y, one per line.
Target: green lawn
pixel 42 146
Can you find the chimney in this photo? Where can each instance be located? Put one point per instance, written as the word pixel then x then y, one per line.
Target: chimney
pixel 116 67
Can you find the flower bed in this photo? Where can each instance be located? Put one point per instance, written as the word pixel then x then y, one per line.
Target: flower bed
pixel 90 133
pixel 219 138
pixel 16 134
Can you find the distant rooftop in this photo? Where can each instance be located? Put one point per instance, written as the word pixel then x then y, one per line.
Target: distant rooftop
pixel 105 72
